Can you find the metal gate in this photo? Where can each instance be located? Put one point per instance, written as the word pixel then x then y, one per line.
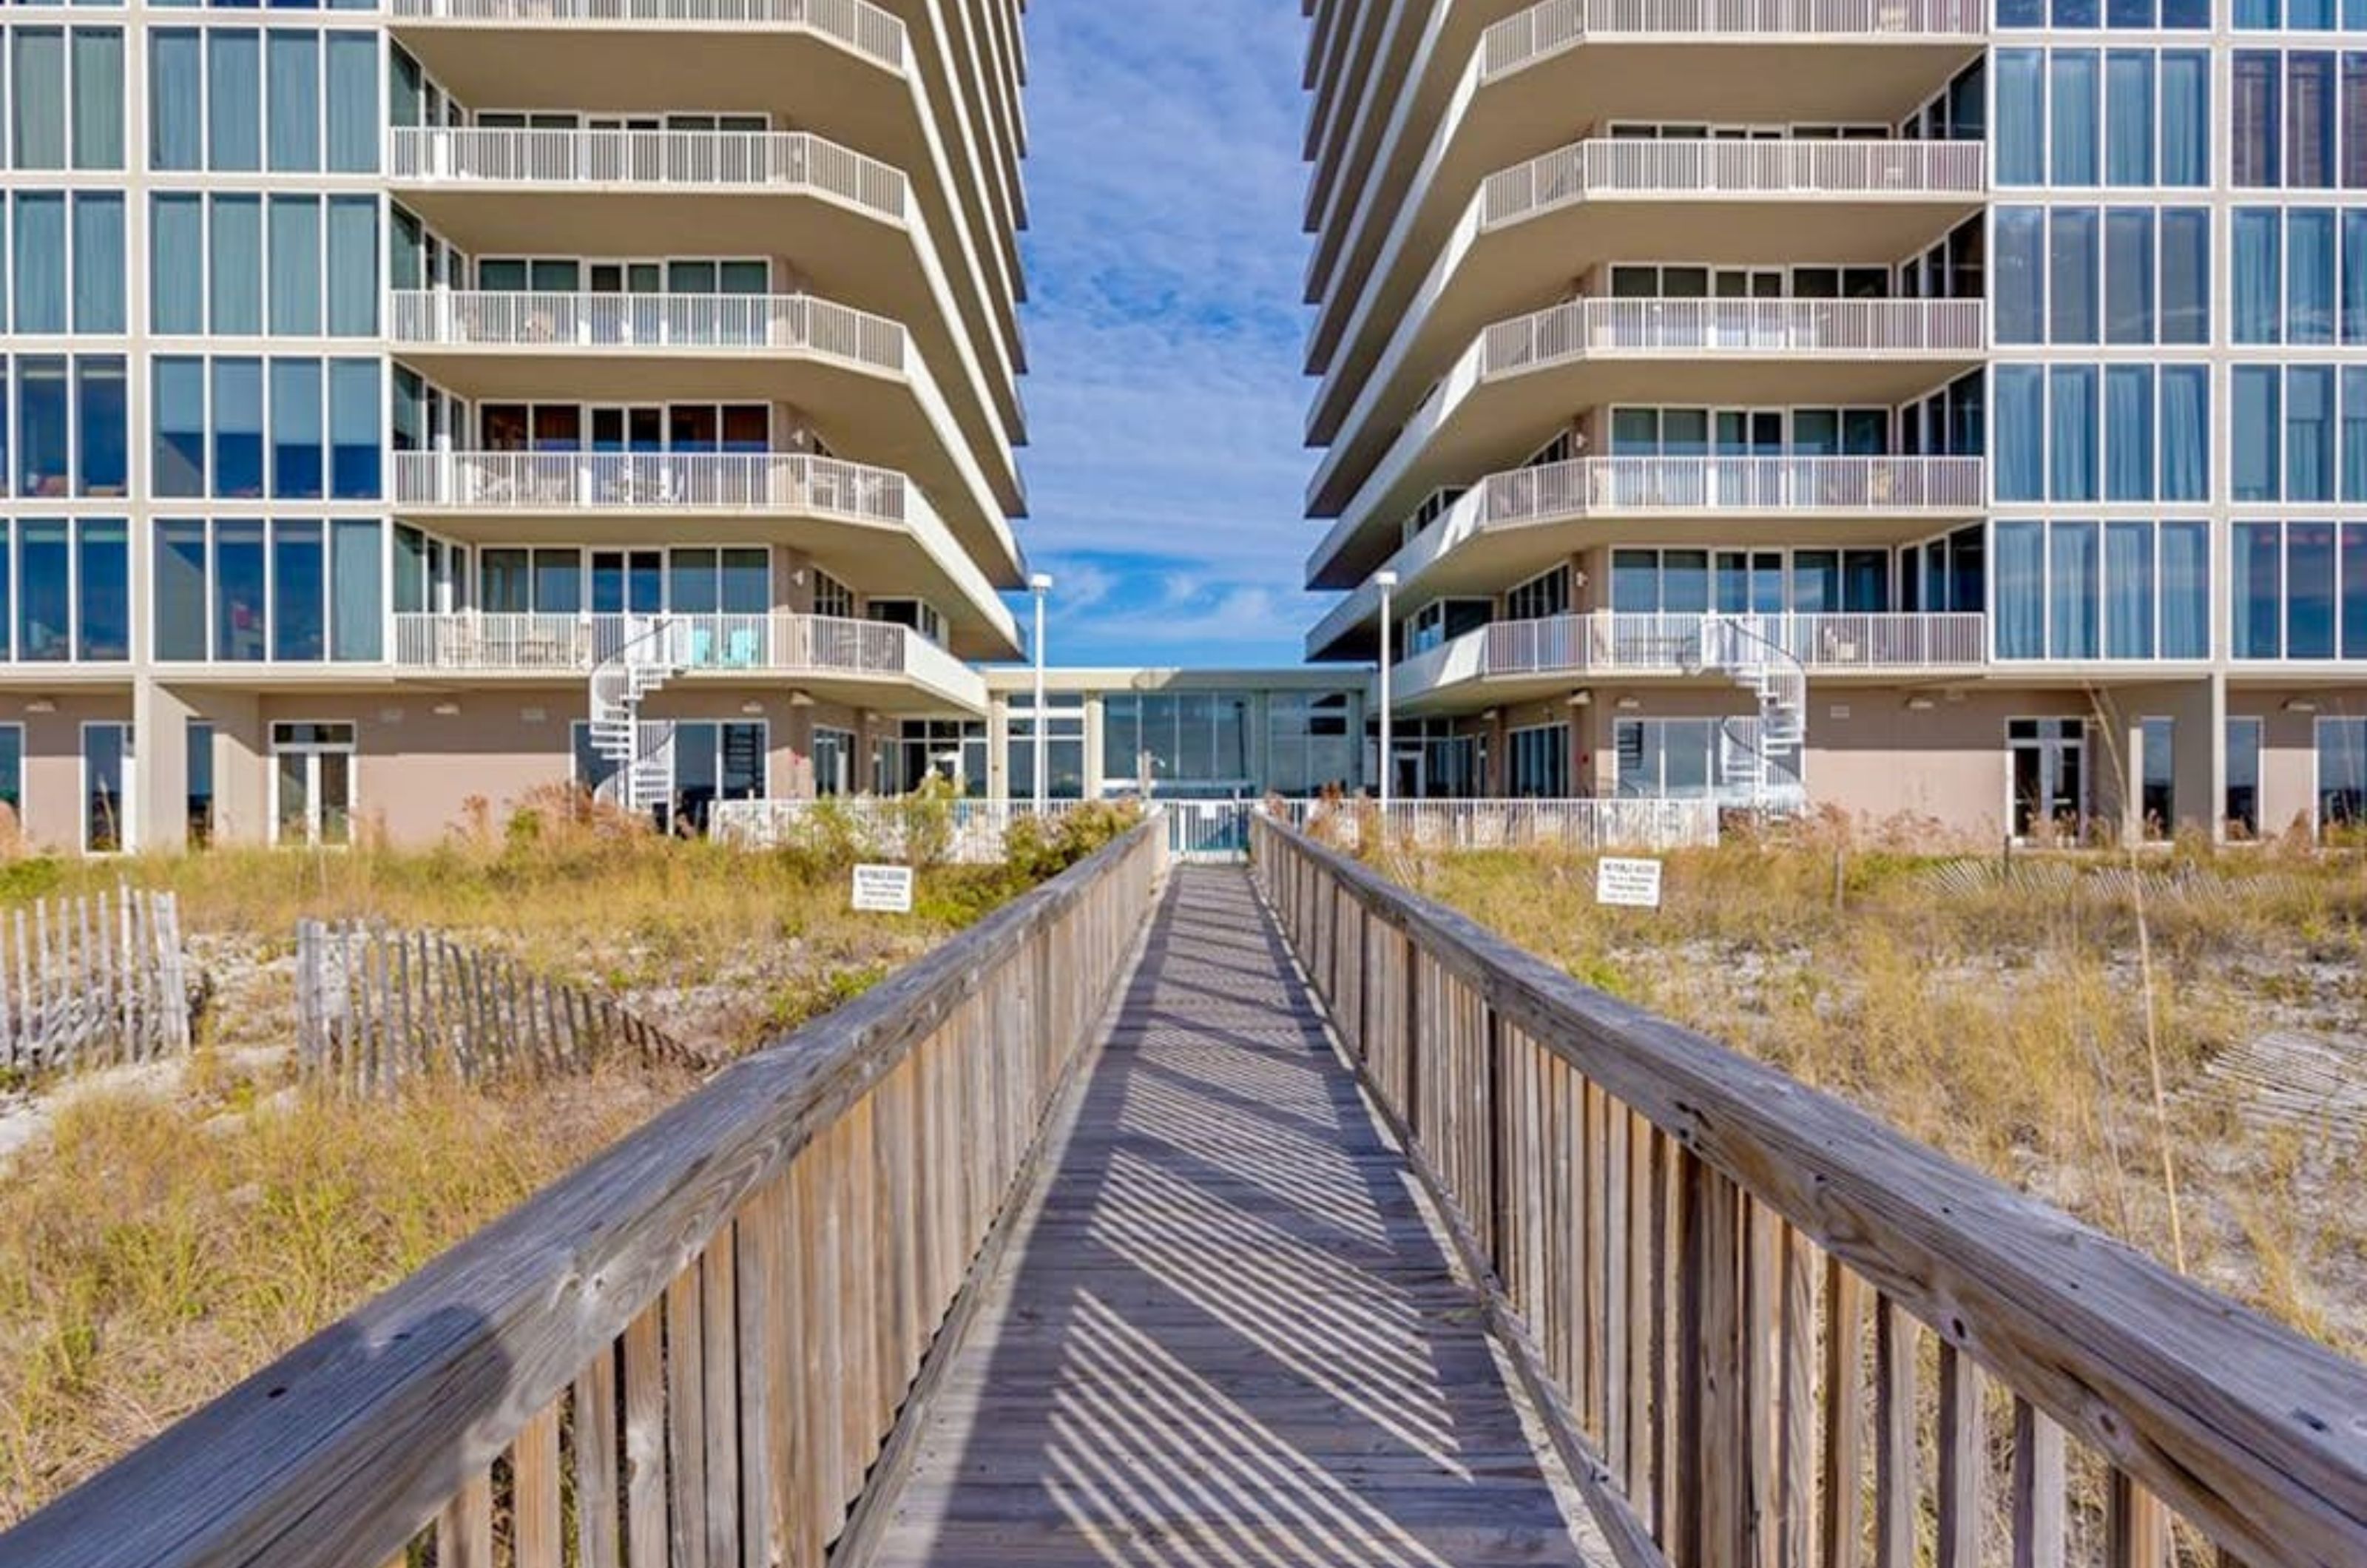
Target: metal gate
pixel 1208 829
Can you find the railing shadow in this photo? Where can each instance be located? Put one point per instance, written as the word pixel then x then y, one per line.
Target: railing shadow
pixel 1229 1336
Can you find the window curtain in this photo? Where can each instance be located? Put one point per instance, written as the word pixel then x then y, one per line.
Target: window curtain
pixel 293 134
pixel 2309 275
pixel 2072 275
pixel 2128 590
pixel 2071 591
pixel 2129 118
pixel 2021 432
pixel 2354 432
pixel 99 286
pixel 2021 590
pixel 41 262
pixel 175 101
pixel 2128 415
pixel 297 430
pixel 295 265
pixel 176 236
pixel 2185 591
pixel 2257 439
pixel 353 266
pixel 234 99
pixel 2257 602
pixel 2022 116
pixel 2071 120
pixel 2186 432
pixel 2258 121
pixel 2353 115
pixel 2021 309
pixel 237 242
pixel 353 116
pixel 2309 433
pixel 38 89
pixel 98 98
pixel 2185 118
pixel 2128 275
pixel 2309 122
pixel 353 421
pixel 2071 432
pixel 2256 240
pixel 2354 274
pixel 2185 275
pixel 356 590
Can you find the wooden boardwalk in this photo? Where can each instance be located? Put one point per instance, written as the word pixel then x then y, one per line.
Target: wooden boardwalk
pixel 1225 1331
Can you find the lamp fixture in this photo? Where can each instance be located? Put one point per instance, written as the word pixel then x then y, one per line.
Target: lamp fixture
pixel 2300 704
pixel 801 699
pixel 753 705
pixel 42 705
pixel 448 710
pixel 1629 704
pixel 1582 697
pixel 1920 705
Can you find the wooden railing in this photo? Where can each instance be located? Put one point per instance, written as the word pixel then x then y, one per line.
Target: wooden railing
pixel 1736 1296
pixel 692 1349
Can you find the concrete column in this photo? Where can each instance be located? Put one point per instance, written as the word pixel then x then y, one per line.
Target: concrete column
pixel 1092 746
pixel 998 745
pixel 2197 712
pixel 160 739
pixel 242 768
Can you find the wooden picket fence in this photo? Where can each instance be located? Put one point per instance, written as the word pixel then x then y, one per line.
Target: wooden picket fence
pixel 91 982
pixel 375 1007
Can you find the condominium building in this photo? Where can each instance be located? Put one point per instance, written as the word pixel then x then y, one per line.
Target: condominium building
pixel 1922 408
pixel 434 402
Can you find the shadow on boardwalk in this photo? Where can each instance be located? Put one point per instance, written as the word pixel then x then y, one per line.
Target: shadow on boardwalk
pixel 1228 1334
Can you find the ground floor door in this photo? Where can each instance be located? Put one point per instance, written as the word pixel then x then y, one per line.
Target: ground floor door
pixel 2049 758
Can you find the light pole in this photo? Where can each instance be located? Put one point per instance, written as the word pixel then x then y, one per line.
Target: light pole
pixel 1041 586
pixel 1388 583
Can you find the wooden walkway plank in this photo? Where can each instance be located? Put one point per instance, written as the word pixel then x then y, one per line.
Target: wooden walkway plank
pixel 1227 1332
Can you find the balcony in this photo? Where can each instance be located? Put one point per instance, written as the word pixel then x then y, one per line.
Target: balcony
pixel 1532 227
pixel 1511 525
pixel 841 659
pixel 863 369
pixel 1514 657
pixel 863 524
pixel 860 234
pixel 1729 61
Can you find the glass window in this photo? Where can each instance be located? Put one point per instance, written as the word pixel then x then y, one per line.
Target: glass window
pixel 2258 238
pixel 353 116
pixel 2185 275
pixel 180 591
pixel 295 291
pixel 98 289
pixel 2186 432
pixel 2021 590
pixel 238 427
pixel 2243 804
pixel 98 98
pixel 235 277
pixel 353 266
pixel 2128 590
pixel 297 467
pixel 2309 120
pixel 239 579
pixel 41 262
pixel 176 100
pixel 2018 472
pixel 2259 436
pixel 354 421
pixel 298 589
pixel 2186 591
pixel 38 91
pixel 106 773
pixel 2257 606
pixel 2129 118
pixel 2071 432
pixel 2072 315
pixel 2309 275
pixel 176 240
pixel 2129 427
pixel 2185 118
pixel 2353 567
pixel 234 99
pixel 44 592
pixel 2309 433
pixel 293 62
pixel 103 558
pixel 2022 116
pixel 2309 589
pixel 2071 116
pixel 2071 590
pixel 2021 276
pixel 558 583
pixel 2128 276
pixel 2341 773
pixel 2257 117
pixel 103 454
pixel 45 440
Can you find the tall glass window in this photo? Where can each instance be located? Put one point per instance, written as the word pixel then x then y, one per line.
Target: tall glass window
pixel 102 450
pixel 2072 271
pixel 295 290
pixel 97 99
pixel 234 246
pixel 2071 467
pixel 2129 433
pixel 292 61
pixel 2185 118
pixel 2309 275
pixel 2186 432
pixel 233 100
pixel 2259 433
pixel 2185 275
pixel 2258 237
pixel 2309 433
pixel 2071 590
pixel 103 563
pixel 2071 116
pixel 41 262
pixel 2019 311
pixel 297 469
pixel 2129 118
pixel 238 427
pixel 179 591
pixel 44 592
pixel 99 286
pixel 176 100
pixel 2128 276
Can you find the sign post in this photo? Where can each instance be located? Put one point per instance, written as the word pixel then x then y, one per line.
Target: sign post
pixel 883 889
pixel 1628 883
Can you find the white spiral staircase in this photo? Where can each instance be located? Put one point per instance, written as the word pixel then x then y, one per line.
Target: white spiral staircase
pixel 650 656
pixel 1759 759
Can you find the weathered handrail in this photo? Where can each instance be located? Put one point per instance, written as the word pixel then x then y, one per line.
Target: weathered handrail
pixel 1672 1224
pixel 711 1325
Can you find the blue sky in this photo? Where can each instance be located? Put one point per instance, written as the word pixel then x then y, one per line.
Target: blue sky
pixel 1164 466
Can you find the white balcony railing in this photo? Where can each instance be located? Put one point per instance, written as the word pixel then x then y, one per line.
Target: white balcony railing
pixel 1586 825
pixel 500 319
pixel 1605 641
pixel 1520 40
pixel 857 23
pixel 771 643
pixel 685 160
pixel 1739 170
pixel 640 482
pixel 1619 329
pixel 1606 485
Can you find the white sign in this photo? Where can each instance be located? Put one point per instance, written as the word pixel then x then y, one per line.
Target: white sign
pixel 1634 883
pixel 884 889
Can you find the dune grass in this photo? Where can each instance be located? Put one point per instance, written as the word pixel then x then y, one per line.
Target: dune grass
pixel 2058 1039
